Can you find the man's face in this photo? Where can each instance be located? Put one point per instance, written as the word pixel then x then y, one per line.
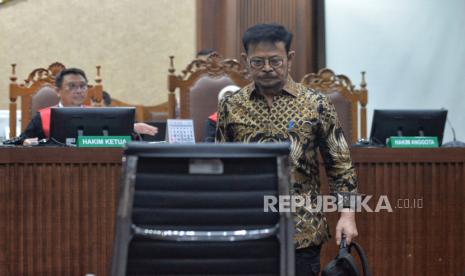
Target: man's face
pixel 268 64
pixel 73 90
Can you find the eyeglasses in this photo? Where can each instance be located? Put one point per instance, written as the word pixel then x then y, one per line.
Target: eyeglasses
pixel 259 63
pixel 76 86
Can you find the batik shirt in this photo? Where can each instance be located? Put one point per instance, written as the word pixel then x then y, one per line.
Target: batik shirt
pixel 308 121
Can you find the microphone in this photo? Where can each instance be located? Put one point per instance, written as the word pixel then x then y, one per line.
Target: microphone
pixel 454 143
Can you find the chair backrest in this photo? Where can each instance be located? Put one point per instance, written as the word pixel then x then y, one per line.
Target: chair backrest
pixel 34 83
pixel 46 96
pixel 154 113
pixel 346 99
pixel 199 85
pixel 199 210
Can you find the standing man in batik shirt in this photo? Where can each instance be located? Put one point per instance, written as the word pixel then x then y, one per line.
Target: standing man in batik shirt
pixel 274 108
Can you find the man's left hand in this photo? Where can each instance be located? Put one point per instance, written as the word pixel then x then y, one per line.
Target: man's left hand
pixel 346 225
pixel 143 128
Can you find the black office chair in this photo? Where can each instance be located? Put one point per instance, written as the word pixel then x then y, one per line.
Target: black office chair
pixel 199 210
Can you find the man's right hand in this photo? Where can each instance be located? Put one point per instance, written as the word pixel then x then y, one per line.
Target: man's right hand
pixel 31 142
pixel 143 128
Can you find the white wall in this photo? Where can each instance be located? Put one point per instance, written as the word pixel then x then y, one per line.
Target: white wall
pixel 5 123
pixel 413 52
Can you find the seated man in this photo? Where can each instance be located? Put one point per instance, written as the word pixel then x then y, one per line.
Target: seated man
pixel 71 86
pixel 209 130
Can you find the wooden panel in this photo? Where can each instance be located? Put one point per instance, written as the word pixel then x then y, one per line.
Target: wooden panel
pixel 411 241
pixel 57 210
pixel 57 217
pixel 211 21
pixel 221 24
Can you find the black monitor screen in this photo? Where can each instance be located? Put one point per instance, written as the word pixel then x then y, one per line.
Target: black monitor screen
pixel 66 123
pixel 161 133
pixel 387 123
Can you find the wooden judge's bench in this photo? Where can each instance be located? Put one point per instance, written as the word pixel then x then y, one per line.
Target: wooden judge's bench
pixel 57 210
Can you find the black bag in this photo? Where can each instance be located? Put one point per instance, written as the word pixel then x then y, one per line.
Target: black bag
pixel 344 264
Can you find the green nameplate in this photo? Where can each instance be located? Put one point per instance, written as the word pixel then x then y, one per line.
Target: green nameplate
pixel 412 142
pixel 103 141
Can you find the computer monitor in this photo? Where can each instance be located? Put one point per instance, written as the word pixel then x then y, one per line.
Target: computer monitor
pixel 387 123
pixel 67 123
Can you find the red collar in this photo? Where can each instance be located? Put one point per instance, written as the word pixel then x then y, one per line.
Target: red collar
pixel 214 117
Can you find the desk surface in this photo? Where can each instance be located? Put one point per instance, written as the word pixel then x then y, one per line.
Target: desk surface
pixel 57 210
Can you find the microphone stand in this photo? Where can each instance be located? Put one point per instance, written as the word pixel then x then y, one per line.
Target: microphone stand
pixel 454 143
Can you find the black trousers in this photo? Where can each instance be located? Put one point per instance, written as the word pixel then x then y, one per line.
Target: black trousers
pixel 307 261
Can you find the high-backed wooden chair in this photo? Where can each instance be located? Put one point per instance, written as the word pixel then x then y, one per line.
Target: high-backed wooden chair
pixel 30 100
pixel 198 87
pixel 346 99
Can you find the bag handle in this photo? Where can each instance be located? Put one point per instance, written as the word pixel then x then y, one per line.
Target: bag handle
pixel 360 252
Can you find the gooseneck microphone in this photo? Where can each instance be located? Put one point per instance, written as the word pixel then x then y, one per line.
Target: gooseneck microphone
pixel 454 143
